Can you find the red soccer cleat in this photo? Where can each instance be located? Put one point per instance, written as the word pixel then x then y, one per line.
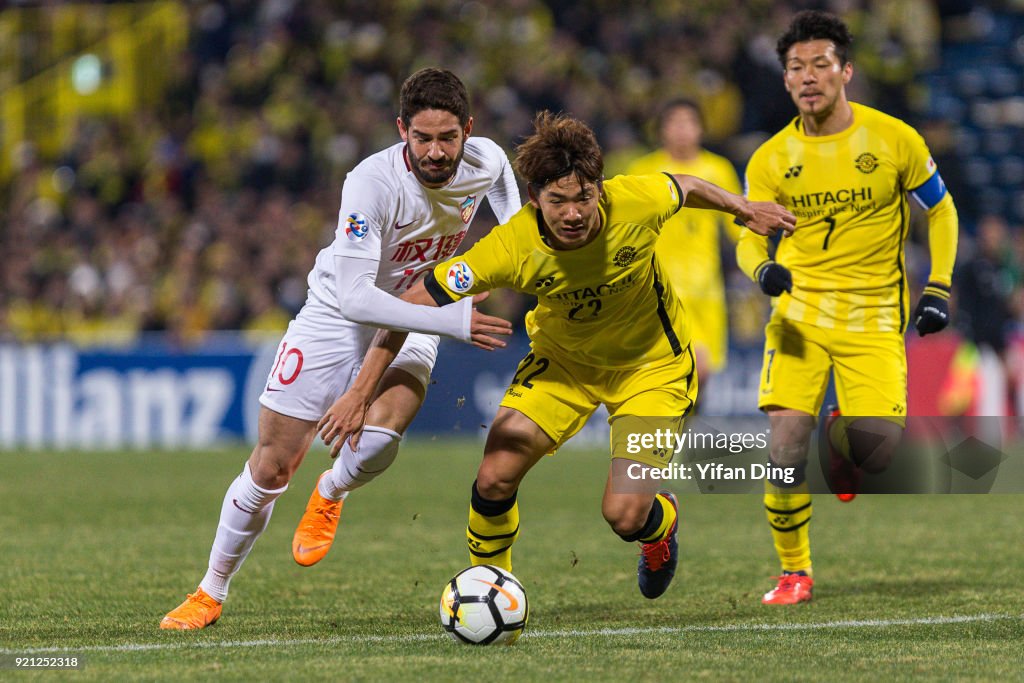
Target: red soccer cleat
pixel 791 589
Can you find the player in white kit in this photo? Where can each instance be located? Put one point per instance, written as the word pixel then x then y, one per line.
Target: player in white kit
pixel 403 210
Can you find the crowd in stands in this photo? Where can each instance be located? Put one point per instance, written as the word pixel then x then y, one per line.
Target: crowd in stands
pixel 206 212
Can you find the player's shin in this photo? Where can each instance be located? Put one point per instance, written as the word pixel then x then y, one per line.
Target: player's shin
pixel 493 528
pixel 243 517
pixel 378 448
pixel 788 509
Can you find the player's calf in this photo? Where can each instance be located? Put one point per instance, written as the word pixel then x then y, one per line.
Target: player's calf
pixel 492 529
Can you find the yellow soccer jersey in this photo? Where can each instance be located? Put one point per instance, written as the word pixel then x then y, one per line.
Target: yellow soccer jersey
pixel 605 304
pixel 849 194
pixel 690 241
pixel 690 250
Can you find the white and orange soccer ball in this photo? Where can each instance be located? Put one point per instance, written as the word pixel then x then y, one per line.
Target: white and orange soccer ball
pixel 484 605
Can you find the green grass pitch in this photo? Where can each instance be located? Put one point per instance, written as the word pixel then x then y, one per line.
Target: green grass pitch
pixel 95 548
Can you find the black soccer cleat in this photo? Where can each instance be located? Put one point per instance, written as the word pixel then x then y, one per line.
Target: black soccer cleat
pixel 658 560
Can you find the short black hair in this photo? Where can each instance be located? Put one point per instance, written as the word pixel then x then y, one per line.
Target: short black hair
pixel 816 25
pixel 679 103
pixel 432 88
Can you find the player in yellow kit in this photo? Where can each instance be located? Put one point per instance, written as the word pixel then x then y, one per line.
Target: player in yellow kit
pixel 606 330
pixel 690 242
pixel 842 301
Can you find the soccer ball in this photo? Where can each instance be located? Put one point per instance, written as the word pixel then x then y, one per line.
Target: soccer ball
pixel 484 605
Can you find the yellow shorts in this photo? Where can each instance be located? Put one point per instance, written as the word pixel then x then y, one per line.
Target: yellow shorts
pixel 870 370
pixel 559 395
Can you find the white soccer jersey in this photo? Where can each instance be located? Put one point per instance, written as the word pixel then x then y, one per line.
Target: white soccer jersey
pixel 401 228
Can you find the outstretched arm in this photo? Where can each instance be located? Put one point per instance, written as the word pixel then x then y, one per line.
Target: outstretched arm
pixel 344 419
pixel 763 218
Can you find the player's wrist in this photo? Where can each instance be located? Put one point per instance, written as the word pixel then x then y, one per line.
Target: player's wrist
pixel 743 210
pixel 937 289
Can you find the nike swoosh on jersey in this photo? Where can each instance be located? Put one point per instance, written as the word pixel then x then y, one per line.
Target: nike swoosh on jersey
pixel 402 227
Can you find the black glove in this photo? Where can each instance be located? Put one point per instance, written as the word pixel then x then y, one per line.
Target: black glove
pixel 774 279
pixel 932 312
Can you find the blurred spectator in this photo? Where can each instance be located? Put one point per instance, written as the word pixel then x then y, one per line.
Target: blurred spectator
pixel 206 211
pixel 985 285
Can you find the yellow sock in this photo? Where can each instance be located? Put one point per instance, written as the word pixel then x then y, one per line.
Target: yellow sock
pixel 838 437
pixel 490 539
pixel 668 518
pixel 789 516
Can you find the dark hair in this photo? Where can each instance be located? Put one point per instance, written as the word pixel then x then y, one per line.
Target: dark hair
pixel 560 145
pixel 432 88
pixel 679 103
pixel 816 25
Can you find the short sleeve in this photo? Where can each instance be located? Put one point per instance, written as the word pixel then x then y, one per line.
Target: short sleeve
pixel 918 170
pixel 363 216
pixel 757 182
pixel 489 264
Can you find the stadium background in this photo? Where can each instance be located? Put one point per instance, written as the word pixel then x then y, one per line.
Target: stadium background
pixel 169 172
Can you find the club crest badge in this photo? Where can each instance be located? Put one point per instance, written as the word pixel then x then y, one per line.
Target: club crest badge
pixel 466 208
pixel 866 162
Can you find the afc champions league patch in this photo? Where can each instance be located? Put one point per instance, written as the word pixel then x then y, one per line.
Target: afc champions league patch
pixel 355 227
pixel 466 208
pixel 460 277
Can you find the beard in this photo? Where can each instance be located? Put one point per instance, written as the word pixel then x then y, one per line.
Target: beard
pixel 429 176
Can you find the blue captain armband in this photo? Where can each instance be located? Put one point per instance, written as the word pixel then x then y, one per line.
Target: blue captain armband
pixel 931 193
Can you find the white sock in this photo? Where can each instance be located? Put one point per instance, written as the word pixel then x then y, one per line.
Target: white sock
pixel 378 448
pixel 243 517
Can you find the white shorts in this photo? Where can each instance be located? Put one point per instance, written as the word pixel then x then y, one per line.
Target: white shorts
pixel 321 354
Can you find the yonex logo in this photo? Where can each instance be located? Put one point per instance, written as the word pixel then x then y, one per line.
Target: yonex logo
pixel 546 281
pixel 794 171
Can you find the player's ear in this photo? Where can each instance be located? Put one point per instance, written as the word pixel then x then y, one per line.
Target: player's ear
pixel 468 129
pixel 847 72
pixel 532 196
pixel 402 130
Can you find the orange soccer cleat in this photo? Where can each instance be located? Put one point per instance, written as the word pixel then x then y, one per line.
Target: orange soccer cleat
pixel 792 588
pixel 315 533
pixel 198 611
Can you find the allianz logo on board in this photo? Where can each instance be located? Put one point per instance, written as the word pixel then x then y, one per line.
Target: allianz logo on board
pixel 46 400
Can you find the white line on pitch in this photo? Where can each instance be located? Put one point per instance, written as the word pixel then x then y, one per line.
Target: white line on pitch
pixel 605 632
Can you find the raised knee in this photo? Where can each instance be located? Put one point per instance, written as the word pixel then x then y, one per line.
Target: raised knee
pixel 270 472
pixel 625 521
pixel 493 487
